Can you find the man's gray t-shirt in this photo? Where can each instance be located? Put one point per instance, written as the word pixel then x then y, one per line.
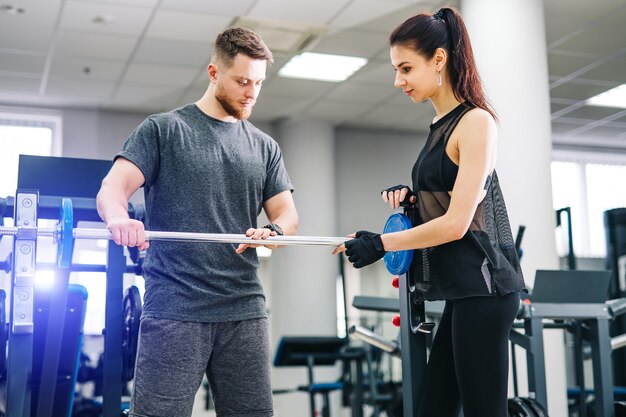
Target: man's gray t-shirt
pixel 209 176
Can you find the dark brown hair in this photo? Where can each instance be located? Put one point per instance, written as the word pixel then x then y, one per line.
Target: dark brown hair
pixel 239 40
pixel 445 29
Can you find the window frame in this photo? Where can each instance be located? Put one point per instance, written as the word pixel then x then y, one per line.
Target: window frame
pixel 583 159
pixel 35 117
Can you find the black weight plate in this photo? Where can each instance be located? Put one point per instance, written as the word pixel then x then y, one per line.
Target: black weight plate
pixel 132 316
pixel 537 408
pixel 86 408
pixel 517 408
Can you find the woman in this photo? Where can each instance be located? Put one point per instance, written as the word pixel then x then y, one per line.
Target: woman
pixel 468 254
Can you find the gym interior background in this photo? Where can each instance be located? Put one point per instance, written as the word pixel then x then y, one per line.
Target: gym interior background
pixel 81 74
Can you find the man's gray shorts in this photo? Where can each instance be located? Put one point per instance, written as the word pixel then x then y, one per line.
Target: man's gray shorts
pixel 173 357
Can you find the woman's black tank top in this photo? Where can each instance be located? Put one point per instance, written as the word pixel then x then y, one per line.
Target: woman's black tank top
pixel 484 261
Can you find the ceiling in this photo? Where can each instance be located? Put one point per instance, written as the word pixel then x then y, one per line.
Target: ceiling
pixel 151 55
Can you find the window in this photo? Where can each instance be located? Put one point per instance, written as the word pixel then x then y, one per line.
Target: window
pixel 590 185
pixel 605 190
pixel 25 134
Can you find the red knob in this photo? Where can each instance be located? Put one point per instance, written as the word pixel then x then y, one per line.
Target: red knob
pixel 396 320
pixel 396 282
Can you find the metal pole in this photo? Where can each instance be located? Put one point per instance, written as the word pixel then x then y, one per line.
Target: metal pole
pixel 602 368
pixel 535 358
pixel 389 346
pixel 112 366
pixel 20 355
pixel 85 233
pixel 52 345
pixel 413 343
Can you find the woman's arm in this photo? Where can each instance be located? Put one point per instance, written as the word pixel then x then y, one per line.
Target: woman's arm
pixel 475 137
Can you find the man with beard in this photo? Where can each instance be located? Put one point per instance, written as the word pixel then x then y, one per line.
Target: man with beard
pixel 204 168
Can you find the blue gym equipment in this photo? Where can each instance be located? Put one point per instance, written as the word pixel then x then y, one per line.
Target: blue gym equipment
pixel 42 330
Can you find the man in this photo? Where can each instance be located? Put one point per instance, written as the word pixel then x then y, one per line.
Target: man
pixel 204 168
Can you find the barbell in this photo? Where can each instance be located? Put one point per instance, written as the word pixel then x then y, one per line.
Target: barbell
pixel 64 235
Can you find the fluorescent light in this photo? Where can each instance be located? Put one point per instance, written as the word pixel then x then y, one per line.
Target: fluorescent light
pixel 324 67
pixel 615 97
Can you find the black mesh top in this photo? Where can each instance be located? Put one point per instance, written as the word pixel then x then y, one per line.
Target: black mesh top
pixel 484 261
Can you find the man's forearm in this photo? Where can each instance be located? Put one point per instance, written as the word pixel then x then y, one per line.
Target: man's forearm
pixel 111 203
pixel 288 222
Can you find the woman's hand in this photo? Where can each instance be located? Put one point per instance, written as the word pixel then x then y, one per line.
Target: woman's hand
pixel 399 195
pixel 365 249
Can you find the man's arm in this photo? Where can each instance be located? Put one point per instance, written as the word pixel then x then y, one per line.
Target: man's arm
pixel 280 210
pixel 121 182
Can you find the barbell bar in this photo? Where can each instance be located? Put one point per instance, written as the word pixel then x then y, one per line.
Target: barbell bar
pixel 65 234
pixel 87 233
pixel 390 346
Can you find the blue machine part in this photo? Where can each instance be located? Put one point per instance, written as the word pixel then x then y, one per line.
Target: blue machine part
pixel 398 262
pixel 65 242
pixel 71 347
pixel 79 292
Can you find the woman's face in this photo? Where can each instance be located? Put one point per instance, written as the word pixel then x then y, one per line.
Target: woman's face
pixel 415 75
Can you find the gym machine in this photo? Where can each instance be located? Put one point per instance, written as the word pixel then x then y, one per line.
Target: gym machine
pixel 312 351
pixel 575 301
pixel 27 393
pixel 388 396
pixel 615 228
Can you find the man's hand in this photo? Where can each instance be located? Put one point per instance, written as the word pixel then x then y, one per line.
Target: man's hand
pixel 257 234
pixel 128 232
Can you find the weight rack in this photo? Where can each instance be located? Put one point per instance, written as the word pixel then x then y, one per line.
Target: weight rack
pixel 19 365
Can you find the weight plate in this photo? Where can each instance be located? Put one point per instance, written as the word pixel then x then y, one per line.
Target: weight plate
pixel 538 410
pixel 4 335
pixel 65 239
pixel 398 262
pixel 132 316
pixel 518 408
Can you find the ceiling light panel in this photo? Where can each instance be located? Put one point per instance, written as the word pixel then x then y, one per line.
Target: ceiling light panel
pixel 615 97
pixel 323 67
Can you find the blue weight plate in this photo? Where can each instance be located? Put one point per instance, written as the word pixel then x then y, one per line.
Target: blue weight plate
pixel 398 262
pixel 65 241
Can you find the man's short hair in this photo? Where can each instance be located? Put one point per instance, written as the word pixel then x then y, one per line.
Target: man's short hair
pixel 240 40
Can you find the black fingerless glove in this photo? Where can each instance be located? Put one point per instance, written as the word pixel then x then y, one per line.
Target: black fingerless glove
pixel 407 199
pixel 366 249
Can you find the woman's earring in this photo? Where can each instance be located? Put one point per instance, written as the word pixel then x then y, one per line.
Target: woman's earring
pixel 439 78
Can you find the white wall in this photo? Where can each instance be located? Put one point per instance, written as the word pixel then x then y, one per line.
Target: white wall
pixel 369 161
pixel 96 134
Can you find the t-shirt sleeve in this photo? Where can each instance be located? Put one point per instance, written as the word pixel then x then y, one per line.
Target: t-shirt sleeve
pixel 142 149
pixel 277 179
